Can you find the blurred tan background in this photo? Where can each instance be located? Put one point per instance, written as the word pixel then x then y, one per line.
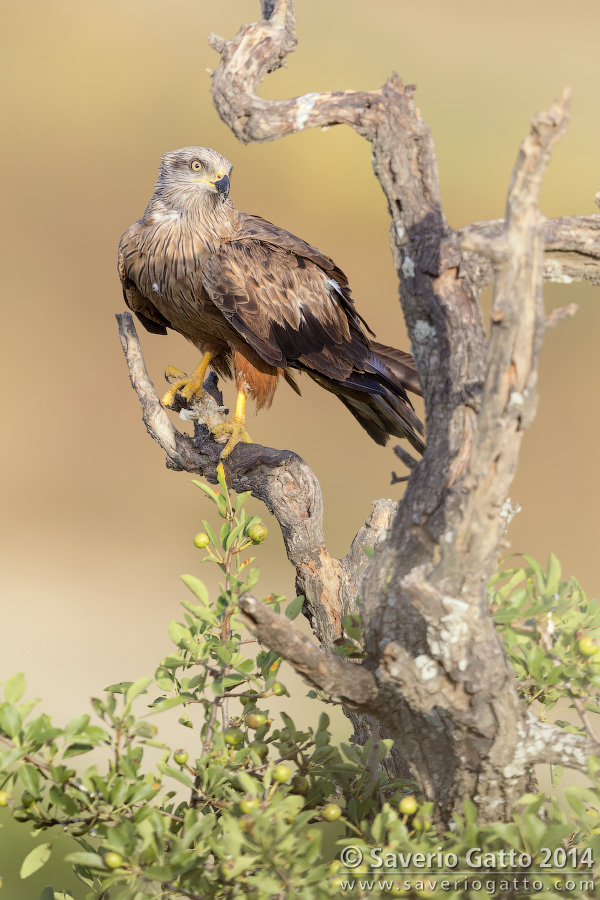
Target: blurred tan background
pixel 96 530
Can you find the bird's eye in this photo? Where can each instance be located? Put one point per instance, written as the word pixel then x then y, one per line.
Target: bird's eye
pixel 197 165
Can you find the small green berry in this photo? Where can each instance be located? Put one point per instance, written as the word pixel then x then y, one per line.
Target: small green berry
pixel 256 719
pixel 233 736
pixel 113 860
pixel 261 749
pixel 4 798
pixel 279 689
pixel 281 773
pixel 27 799
pixel 587 646
pixel 201 540
pixel 249 699
pixel 408 805
pixel 249 805
pixel 257 533
pixel 225 869
pixel 338 881
pixel 335 866
pixel 331 812
pixel 180 757
pixel 300 785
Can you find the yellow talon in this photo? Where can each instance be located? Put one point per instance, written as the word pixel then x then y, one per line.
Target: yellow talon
pixel 190 386
pixel 236 428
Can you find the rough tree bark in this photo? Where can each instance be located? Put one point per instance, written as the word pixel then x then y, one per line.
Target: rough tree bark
pixel 435 674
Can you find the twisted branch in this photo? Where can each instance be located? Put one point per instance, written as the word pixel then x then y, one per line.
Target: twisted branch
pixel 280 478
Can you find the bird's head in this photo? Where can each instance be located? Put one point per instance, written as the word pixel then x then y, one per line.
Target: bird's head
pixel 192 176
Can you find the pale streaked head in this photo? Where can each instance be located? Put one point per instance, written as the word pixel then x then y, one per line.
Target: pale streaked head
pixel 193 175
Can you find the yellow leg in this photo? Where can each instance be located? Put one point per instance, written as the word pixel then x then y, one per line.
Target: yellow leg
pixel 236 428
pixel 190 386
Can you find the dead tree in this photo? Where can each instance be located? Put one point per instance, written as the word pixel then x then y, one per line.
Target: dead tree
pixel 435 675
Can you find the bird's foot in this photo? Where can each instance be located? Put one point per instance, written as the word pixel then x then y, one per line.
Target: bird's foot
pixel 189 386
pixel 237 429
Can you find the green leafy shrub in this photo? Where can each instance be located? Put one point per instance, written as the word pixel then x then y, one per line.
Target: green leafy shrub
pixel 251 806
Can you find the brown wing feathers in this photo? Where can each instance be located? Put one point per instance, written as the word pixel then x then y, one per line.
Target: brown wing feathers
pixel 298 314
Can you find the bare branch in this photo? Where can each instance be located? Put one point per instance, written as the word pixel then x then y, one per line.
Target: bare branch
pixel 541 742
pixel 509 395
pixel 571 250
pixel 356 685
pixel 281 479
pixel 559 315
pixel 155 418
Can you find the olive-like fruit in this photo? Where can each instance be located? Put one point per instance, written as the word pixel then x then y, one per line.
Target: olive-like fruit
pixel 249 805
pixel 260 748
pixel 4 798
pixel 587 646
pixel 300 784
pixel 113 860
pixel 233 736
pixel 331 812
pixel 27 799
pixel 408 805
pixel 281 773
pixel 180 757
pixel 256 719
pixel 257 533
pixel 201 540
pixel 335 866
pixel 279 689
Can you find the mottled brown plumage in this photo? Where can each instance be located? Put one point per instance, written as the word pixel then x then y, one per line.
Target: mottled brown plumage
pixel 259 301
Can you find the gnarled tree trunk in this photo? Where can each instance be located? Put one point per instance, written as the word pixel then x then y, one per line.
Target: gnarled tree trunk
pixel 435 674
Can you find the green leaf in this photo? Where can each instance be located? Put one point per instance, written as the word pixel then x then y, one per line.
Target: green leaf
pixel 241 499
pixel 47 893
pixel 138 687
pixel 294 607
pixel 34 860
pixel 210 492
pixel 14 688
pixel 77 748
pixel 553 581
pixel 173 661
pixel 176 774
pixel 11 756
pixel 179 634
pixel 81 858
pixel 221 478
pixel 197 588
pixel 30 777
pixel 225 529
pixel 167 704
pixel 10 720
pixel 120 688
pixel 77 725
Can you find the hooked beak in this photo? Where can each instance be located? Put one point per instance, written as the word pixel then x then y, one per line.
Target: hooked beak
pixel 222 186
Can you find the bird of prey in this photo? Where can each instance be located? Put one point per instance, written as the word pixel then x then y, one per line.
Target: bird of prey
pixel 257 302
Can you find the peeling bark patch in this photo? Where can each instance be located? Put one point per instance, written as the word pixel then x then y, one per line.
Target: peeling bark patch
pixel 306 105
pixel 553 271
pixel 408 267
pixel 426 667
pixel 423 330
